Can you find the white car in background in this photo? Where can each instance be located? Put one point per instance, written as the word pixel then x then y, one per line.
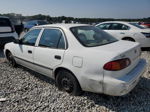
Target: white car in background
pixel 127 31
pixel 7 31
pixel 79 57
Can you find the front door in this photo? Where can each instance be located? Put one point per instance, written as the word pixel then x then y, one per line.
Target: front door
pixel 25 50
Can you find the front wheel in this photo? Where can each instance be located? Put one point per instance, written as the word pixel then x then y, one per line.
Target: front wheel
pixel 67 82
pixel 11 60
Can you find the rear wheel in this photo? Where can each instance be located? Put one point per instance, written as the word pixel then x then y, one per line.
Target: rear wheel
pixel 11 60
pixel 67 82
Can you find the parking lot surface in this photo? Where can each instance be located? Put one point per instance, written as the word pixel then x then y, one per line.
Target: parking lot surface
pixel 23 90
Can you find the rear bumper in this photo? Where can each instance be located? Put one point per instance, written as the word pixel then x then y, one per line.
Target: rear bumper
pixel 123 85
pixel 4 40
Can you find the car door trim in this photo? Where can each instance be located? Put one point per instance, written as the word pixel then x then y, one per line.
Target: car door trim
pixel 34 63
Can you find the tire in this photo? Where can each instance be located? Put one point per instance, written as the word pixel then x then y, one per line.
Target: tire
pixel 11 60
pixel 65 81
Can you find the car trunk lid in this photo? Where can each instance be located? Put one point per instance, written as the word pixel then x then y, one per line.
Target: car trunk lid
pixel 122 49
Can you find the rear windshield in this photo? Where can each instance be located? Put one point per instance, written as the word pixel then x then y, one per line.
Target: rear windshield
pixel 91 36
pixel 137 25
pixel 4 22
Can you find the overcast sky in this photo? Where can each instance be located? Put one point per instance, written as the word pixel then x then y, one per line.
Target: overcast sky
pixel 79 8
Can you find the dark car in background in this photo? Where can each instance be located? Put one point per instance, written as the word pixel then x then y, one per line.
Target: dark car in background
pixel 33 23
pixel 7 31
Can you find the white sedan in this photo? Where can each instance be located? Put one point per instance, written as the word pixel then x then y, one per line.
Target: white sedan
pixel 127 31
pixel 79 57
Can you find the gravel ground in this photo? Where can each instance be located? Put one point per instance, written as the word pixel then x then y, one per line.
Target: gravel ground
pixel 1 55
pixel 27 91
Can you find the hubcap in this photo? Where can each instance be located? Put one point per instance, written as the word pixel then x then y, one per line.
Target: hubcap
pixel 67 84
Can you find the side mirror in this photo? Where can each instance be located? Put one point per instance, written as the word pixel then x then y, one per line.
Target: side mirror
pixel 17 41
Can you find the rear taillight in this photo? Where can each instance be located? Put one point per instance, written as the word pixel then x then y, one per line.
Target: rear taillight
pixel 117 64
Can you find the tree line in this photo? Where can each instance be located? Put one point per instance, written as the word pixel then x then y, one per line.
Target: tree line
pixel 18 18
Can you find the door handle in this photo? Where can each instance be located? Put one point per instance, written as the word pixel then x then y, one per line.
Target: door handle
pixel 29 51
pixel 58 57
pixel 122 33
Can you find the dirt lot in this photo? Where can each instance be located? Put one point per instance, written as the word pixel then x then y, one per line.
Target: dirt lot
pixel 27 91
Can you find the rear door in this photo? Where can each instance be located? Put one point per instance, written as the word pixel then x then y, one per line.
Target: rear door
pixel 119 30
pixel 50 51
pixel 116 29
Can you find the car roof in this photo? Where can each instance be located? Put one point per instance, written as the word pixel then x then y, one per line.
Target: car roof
pixel 124 22
pixel 61 25
pixel 121 22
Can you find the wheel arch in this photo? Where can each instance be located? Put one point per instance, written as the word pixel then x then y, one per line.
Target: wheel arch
pixel 128 38
pixel 6 52
pixel 63 68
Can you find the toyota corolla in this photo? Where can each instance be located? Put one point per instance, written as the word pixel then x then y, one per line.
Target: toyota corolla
pixel 79 58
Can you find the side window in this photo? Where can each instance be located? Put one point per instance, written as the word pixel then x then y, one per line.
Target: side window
pixel 52 38
pixel 61 44
pixel 30 37
pixel 117 26
pixel 104 26
pixel 125 27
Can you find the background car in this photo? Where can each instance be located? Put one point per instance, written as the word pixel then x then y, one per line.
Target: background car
pixel 79 57
pixel 145 24
pixel 7 31
pixel 127 31
pixel 33 23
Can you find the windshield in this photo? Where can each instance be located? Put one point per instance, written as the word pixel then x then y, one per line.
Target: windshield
pixel 137 25
pixel 4 22
pixel 91 36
